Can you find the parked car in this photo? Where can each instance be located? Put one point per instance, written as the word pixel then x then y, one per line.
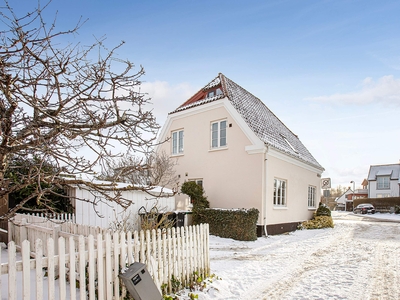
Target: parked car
pixel 365 208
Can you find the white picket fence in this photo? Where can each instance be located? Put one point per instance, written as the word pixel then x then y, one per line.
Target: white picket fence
pixel 87 267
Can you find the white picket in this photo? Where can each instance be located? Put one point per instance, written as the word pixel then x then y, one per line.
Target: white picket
pixel 99 260
pixel 72 275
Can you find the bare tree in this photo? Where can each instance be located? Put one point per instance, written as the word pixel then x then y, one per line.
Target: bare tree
pixel 156 169
pixel 67 105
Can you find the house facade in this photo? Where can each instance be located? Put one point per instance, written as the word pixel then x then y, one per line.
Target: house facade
pixel 227 140
pixel 384 181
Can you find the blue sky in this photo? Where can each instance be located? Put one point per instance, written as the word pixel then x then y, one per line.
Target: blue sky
pixel 328 69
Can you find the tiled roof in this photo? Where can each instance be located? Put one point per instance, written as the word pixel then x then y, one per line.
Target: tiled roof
pixel 384 170
pixel 256 114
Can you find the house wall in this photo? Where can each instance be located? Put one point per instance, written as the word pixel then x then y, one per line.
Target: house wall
pixel 231 177
pixel 298 177
pixel 392 192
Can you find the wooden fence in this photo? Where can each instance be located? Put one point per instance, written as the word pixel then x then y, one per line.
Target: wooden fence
pixel 87 267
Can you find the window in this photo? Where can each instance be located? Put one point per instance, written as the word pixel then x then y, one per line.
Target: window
pixel 279 192
pixel 177 142
pixel 383 182
pixel 311 196
pixel 218 134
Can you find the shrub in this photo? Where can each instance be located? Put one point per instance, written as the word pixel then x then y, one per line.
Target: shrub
pixel 317 223
pixel 397 209
pixel 323 210
pixel 200 202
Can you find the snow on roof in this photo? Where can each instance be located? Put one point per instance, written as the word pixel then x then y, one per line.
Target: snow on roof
pixel 257 115
pixel 392 170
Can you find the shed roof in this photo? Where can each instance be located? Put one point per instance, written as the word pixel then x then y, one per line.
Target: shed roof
pixel 263 122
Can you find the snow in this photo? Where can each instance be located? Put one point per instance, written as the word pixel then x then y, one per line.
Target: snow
pixel 358 259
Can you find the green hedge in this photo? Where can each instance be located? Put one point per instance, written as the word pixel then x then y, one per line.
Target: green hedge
pixel 238 224
pixel 380 204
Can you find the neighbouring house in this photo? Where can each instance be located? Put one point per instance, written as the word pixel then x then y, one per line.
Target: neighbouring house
pixel 91 208
pixel 384 181
pixel 345 201
pixel 227 140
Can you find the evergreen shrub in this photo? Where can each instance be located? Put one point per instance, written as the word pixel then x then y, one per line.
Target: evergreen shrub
pixel 237 224
pixel 318 222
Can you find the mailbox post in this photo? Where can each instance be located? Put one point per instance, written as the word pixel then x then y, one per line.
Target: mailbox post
pixel 139 283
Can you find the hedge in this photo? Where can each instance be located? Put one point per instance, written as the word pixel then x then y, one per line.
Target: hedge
pixel 237 224
pixel 380 204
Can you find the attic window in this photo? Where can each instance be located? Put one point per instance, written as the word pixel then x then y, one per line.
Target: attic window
pixel 290 145
pixel 214 93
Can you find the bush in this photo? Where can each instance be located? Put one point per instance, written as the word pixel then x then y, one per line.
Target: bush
pixel 317 223
pixel 200 202
pixel 397 209
pixel 323 210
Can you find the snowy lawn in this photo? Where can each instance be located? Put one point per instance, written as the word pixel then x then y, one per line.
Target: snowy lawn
pixel 358 259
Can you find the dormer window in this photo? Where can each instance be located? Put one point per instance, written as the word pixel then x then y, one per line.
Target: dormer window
pixel 214 93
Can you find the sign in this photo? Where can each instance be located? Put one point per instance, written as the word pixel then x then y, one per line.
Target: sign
pixel 325 183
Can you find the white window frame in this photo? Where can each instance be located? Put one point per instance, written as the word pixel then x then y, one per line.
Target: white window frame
pixel 280 193
pixel 177 138
pixel 219 134
pixel 311 196
pixel 383 183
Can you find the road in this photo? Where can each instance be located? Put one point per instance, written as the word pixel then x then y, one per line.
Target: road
pixel 358 259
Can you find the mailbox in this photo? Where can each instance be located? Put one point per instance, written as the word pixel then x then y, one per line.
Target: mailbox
pixel 139 283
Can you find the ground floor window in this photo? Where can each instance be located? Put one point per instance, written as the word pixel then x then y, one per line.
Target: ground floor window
pixel 311 196
pixel 279 192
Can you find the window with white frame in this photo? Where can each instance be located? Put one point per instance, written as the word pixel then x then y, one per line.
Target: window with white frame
pixel 383 182
pixel 279 192
pixel 177 142
pixel 311 196
pixel 218 134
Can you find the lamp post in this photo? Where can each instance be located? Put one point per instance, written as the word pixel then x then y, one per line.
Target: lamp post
pixel 354 186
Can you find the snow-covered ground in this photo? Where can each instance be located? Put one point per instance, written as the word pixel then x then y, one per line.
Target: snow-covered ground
pixel 358 259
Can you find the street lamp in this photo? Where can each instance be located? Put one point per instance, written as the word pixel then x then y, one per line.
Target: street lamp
pixel 354 187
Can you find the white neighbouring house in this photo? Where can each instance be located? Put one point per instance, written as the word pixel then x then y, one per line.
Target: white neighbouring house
pixel 228 140
pixel 384 181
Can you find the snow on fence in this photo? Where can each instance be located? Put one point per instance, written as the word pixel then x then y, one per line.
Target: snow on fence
pixel 94 261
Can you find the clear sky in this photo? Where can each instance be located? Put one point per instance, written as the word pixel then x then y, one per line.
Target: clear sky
pixel 330 70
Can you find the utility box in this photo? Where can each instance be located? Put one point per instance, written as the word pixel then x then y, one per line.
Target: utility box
pixel 139 283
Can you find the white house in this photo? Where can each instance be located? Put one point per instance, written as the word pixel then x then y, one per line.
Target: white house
pixel 227 139
pixel 384 181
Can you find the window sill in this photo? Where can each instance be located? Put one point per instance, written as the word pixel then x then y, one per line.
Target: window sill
pixel 280 207
pixel 177 155
pixel 218 149
pixel 312 208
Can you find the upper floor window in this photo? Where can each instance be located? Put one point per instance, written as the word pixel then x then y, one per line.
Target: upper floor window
pixel 311 196
pixel 383 182
pixel 177 142
pixel 218 134
pixel 279 192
